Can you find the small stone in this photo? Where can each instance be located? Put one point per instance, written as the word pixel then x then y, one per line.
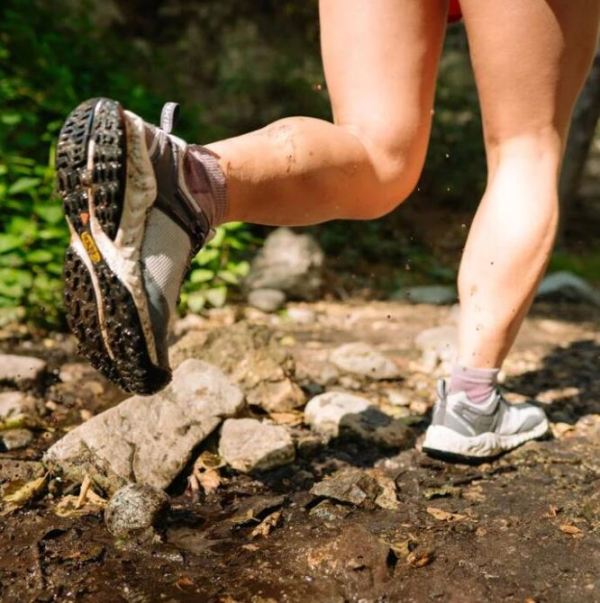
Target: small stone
pixel 251 445
pixel 23 371
pixel 438 295
pixel 266 300
pixel 325 412
pixel 302 316
pixel 362 359
pixel 419 407
pixel 353 486
pixel 16 438
pixel 190 322
pixel 327 511
pixel 438 347
pixel 16 404
pixel 75 371
pixel 396 398
pixel 339 414
pixel 136 511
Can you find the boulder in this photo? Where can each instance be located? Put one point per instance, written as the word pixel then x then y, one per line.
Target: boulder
pixel 22 371
pixel 149 439
pixel 339 414
pixel 251 445
pixel 251 355
pixel 288 262
pixel 364 360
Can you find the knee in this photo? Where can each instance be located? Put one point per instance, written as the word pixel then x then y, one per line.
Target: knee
pixel 534 150
pixel 397 155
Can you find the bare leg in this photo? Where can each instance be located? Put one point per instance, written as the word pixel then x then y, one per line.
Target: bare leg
pixel 530 60
pixel 380 61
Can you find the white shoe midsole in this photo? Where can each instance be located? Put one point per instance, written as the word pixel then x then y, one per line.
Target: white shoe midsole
pixel 444 439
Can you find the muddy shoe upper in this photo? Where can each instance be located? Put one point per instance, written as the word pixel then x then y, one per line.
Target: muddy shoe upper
pixel 134 229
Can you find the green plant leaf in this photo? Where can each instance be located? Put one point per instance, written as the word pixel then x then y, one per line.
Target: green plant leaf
pixel 201 275
pixel 22 185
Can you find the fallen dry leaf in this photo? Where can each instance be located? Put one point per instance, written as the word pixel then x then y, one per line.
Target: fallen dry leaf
pixel 442 515
pixel 419 558
pixel 18 493
pixel 210 480
pixel 184 582
pixel 266 526
pixel 570 529
pixel 552 512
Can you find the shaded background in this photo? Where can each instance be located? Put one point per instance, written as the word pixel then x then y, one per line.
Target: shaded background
pixel 235 66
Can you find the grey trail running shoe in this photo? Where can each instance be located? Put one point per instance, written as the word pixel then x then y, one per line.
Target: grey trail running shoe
pixel 134 229
pixel 462 430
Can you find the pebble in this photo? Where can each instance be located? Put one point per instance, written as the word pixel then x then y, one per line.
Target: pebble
pixel 364 360
pixel 251 445
pixel 16 438
pixel 266 300
pixel 136 511
pixel 16 404
pixel 23 371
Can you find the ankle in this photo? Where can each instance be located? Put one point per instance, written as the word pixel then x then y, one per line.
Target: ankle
pixel 478 384
pixel 206 182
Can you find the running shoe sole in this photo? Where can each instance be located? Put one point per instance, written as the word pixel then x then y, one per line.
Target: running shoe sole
pixel 107 185
pixel 442 442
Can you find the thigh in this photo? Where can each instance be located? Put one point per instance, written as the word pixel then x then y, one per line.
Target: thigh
pixel 380 59
pixel 530 59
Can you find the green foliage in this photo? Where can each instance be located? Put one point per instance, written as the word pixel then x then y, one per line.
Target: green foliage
pixel 217 267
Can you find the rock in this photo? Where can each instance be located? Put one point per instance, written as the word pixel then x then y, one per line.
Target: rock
pixel 302 316
pixel 190 322
pixel 438 295
pixel 439 347
pixel 567 286
pixel 71 372
pixel 149 439
pixel 23 371
pixel 396 397
pixel 13 439
pixel 252 356
pixel 353 486
pixel 327 511
pixel 16 404
pixel 267 300
pixel 325 412
pixel 289 262
pixel 362 359
pixel 136 511
pixel 339 414
pixel 314 368
pixel 251 445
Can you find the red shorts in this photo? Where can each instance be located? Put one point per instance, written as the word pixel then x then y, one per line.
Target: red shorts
pixel 454 12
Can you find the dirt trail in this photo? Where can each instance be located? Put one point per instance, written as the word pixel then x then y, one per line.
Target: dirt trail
pixel 523 528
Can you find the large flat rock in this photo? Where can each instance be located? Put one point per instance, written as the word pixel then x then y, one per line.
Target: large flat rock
pixel 149 439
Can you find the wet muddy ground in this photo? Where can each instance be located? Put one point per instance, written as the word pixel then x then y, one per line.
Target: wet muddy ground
pixel 523 528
